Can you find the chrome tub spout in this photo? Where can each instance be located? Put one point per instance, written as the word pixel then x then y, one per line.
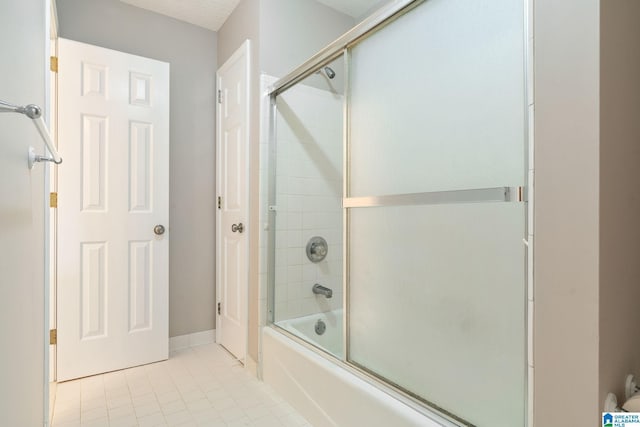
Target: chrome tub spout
pixel 322 290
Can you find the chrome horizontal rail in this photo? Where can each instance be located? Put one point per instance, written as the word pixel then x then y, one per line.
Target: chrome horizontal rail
pixel 480 195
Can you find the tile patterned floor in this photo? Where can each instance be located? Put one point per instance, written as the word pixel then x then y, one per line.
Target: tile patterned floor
pixel 200 386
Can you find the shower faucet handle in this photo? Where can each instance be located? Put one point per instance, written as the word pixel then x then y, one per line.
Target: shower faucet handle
pixel 317 249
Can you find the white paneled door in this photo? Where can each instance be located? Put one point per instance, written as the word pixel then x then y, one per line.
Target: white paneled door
pixel 233 202
pixel 113 210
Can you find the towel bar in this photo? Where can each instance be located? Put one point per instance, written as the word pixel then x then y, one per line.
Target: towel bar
pixel 34 112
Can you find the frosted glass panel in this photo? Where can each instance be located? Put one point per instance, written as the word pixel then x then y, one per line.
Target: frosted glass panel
pixel 437 100
pixel 437 305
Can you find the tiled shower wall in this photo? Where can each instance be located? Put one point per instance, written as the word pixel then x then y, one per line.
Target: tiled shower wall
pixel 308 201
pixel 309 195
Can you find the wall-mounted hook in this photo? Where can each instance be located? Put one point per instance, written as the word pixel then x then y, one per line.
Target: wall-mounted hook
pixel 35 114
pixel 36 158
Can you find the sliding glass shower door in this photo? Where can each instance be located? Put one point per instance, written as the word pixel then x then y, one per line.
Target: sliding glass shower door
pixel 308 199
pixel 436 171
pixel 403 146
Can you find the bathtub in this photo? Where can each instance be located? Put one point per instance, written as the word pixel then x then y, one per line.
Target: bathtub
pixel 324 391
pixel 304 327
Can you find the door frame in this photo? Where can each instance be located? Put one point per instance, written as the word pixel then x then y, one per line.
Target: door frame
pixel 50 218
pixel 243 49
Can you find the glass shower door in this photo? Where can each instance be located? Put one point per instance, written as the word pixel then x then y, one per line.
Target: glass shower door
pixel 436 220
pixel 308 208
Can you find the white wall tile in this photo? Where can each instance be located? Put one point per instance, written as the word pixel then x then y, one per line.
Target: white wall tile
pixel 309 187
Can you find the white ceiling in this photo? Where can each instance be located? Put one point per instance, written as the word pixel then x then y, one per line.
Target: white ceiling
pixel 212 14
pixel 354 8
pixel 209 14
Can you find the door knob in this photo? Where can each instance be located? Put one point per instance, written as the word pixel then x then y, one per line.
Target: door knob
pixel 158 229
pixel 237 228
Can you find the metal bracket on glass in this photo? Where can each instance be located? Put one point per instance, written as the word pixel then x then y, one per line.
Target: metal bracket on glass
pixel 480 195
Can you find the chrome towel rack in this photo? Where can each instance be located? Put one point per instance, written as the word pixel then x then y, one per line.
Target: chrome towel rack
pixel 34 112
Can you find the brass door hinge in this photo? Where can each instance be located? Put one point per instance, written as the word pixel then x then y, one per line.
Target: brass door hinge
pixel 54 64
pixel 219 309
pixel 219 96
pixel 219 202
pixel 53 337
pixel 53 200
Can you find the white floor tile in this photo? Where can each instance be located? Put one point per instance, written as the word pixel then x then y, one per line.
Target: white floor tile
pixel 233 414
pixel 147 409
pixel 257 412
pixel 66 424
pixel 119 401
pixel 100 422
pixel 144 399
pixel 122 412
pixel 93 414
pixel 151 420
pixel 268 421
pixel 179 418
pixel 208 416
pixel 200 386
pixel 172 407
pixel 124 421
pixel 193 395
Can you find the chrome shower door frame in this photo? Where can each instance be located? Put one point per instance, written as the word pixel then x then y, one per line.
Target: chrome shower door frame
pixel 342 47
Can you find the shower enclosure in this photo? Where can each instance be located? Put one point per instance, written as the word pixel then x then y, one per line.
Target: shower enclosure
pixel 398 205
pixel 308 265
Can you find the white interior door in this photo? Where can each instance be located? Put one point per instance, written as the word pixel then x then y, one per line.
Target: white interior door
pixel 233 202
pixel 113 191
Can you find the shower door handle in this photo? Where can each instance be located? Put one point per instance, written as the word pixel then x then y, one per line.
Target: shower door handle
pixel 239 228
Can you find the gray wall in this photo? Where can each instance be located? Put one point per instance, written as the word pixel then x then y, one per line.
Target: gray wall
pixel 191 51
pixel 619 200
pixel 567 155
pixel 372 9
pixel 242 24
pixel 22 283
pixel 587 148
pixel 291 31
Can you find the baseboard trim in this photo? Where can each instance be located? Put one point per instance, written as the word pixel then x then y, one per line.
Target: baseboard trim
pixel 53 388
pixel 192 340
pixel 251 366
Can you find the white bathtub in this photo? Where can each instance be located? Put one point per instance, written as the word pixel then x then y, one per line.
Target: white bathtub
pixel 304 327
pixel 327 394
